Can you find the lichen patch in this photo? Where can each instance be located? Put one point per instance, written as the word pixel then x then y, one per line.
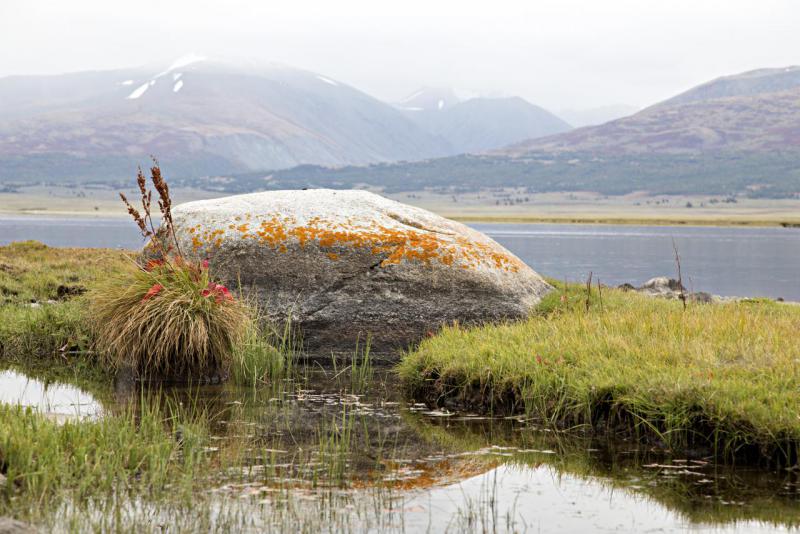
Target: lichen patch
pixel 407 244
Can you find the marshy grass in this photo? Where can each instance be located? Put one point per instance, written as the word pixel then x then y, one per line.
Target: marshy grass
pixel 724 379
pixel 42 306
pixel 266 353
pixel 357 373
pixel 31 271
pixel 151 449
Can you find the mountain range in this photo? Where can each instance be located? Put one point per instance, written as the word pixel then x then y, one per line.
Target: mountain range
pixel 754 111
pixel 735 135
pixel 205 117
pixel 243 127
pixel 478 124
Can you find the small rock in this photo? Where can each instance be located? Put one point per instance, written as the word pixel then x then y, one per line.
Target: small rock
pixel 702 297
pixel 9 525
pixel 663 284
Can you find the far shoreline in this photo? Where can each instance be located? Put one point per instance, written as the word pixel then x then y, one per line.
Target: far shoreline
pixel 569 219
pixel 546 208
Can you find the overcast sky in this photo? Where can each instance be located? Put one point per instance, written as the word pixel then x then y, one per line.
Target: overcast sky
pixel 556 53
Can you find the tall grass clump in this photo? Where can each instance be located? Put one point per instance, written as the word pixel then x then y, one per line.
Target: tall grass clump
pixel 166 317
pixel 265 353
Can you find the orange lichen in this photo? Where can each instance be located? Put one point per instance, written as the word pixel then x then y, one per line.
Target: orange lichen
pixel 397 244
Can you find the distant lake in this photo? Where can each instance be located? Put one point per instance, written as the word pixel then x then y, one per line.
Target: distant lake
pixel 725 261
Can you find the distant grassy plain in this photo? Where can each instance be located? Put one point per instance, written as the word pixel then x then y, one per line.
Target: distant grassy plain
pixel 506 205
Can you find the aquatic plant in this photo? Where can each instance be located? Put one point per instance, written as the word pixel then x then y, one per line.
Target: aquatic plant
pixel 165 315
pixel 266 353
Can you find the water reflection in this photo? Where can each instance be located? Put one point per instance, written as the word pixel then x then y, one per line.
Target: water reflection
pixel 58 401
pixel 455 471
pixel 372 460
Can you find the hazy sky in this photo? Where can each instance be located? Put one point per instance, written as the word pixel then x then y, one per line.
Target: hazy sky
pixel 556 53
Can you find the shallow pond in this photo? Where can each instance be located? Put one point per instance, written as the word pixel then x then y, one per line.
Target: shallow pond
pixel 322 451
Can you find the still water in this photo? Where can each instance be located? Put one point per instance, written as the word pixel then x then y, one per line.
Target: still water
pixel 729 261
pixel 400 467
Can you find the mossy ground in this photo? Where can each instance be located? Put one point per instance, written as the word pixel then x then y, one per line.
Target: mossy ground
pixel 42 305
pixel 719 378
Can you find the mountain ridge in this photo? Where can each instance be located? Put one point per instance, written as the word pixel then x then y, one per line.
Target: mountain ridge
pixel 202 117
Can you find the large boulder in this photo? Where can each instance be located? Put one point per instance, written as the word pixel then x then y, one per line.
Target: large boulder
pixel 348 264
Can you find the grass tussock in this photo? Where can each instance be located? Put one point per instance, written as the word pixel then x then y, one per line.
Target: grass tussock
pixel 168 320
pixel 725 377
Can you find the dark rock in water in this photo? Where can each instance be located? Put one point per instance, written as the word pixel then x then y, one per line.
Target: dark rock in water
pixel 12 526
pixel 669 288
pixel 345 265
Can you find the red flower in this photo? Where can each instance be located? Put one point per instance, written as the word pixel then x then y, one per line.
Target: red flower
pixel 152 264
pixel 152 292
pixel 219 292
pixel 205 264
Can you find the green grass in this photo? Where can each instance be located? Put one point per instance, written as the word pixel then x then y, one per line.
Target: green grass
pixel 265 354
pixel 30 271
pixel 720 377
pixel 39 323
pixel 146 450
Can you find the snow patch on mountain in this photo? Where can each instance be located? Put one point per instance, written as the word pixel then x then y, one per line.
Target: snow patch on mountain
pixel 327 80
pixel 139 91
pixel 412 96
pixel 177 86
pixel 127 82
